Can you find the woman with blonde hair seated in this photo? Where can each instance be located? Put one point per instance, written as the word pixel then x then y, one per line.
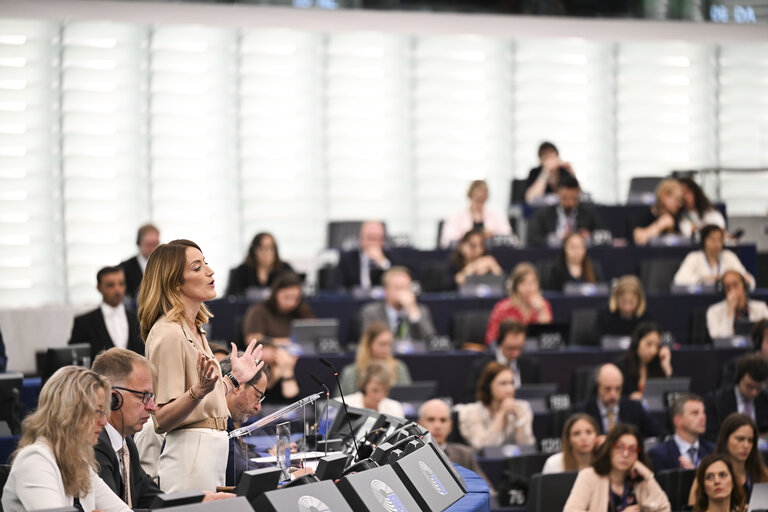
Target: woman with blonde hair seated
pixel 375 345
pixel 54 466
pixel 375 383
pixel 626 308
pixel 663 217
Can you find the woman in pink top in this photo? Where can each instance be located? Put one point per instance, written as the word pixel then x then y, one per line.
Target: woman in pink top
pixel 524 304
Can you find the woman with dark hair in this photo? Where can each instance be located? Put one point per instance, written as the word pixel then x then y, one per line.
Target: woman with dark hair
pixel 707 265
pixel 579 443
pixel 470 259
pixel 697 210
pixel 737 440
pixel 619 478
pixel 273 317
pixel 645 359
pixel 716 489
pixel 573 265
pixel 497 417
pixel 261 267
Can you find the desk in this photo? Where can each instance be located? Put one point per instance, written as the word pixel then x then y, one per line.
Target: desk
pixel 478 497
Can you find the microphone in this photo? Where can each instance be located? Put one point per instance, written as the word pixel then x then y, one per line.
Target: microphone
pixel 327 397
pixel 344 402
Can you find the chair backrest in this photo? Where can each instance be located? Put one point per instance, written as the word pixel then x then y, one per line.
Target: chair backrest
pixel 582 383
pixel 517 191
pixel 549 492
pixel 640 187
pixel 697 331
pixel 434 276
pixel 469 326
pixel 583 325
pixel 657 275
pixel 527 465
pixel 455 435
pixel 440 224
pixel 677 484
pixel 343 234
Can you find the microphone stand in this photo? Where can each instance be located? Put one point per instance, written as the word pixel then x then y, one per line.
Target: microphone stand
pixel 346 409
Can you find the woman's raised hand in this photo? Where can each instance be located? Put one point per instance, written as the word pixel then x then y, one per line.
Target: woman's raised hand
pixel 206 374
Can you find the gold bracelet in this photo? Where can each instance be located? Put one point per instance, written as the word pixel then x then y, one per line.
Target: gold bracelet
pixel 192 395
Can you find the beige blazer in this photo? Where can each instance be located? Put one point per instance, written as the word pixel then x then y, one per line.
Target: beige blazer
pixel 590 492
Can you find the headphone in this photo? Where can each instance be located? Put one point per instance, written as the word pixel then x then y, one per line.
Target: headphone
pixel 720 287
pixel 117 401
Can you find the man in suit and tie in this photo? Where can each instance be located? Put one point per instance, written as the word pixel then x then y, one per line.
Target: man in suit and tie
pixel 133 400
pixel 509 348
pixel 746 396
pixel 147 239
pixel 363 268
pixel 688 446
pixel 406 318
pixel 435 416
pixel 609 407
pixel 550 225
pixel 112 324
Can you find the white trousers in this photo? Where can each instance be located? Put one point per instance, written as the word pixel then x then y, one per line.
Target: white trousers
pixel 193 459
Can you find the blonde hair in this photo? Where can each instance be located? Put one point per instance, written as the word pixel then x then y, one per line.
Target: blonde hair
pixel 665 187
pixel 376 371
pixel 475 185
pixel 159 291
pixel 363 358
pixel 518 273
pixel 65 419
pixel 627 284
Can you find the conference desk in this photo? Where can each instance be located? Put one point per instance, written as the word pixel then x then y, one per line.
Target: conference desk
pixel 672 312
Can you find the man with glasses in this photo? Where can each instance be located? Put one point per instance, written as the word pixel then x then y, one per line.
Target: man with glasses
pixel 243 403
pixel 131 404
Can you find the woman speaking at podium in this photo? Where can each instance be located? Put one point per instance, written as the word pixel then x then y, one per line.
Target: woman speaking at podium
pixel 189 387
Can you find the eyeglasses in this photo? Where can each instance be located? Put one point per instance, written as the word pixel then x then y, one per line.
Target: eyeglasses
pixel 261 395
pixel 101 413
pixel 146 396
pixel 626 450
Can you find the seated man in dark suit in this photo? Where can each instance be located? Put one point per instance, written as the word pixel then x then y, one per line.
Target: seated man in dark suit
pixel 406 318
pixel 688 446
pixel 609 407
pixel 132 402
pixel 746 396
pixel 509 347
pixel 543 180
pixel 549 226
pixel 363 268
pixel 112 324
pixel 435 416
pixel 147 239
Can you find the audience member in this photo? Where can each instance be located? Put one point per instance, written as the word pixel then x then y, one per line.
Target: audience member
pixel 645 359
pixel 572 265
pixel 508 351
pixel 478 217
pixel 375 383
pixel 406 318
pixel 688 446
pixel 375 345
pixel 470 259
pixel 707 265
pixel 190 389
pixel 496 418
pixel 132 401
pixel 716 489
pixel 112 324
pixel 243 403
pixel 746 396
pixel 579 443
pixel 619 478
pixel 435 416
pixel 273 317
pixel 54 466
pixel 363 267
pixel 663 217
pixel 735 307
pixel 543 180
pixel 261 267
pixel 759 346
pixel 147 239
pixel 609 407
pixel 697 210
pixel 626 308
pixel 737 440
pixel 282 386
pixel 550 225
pixel 524 304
